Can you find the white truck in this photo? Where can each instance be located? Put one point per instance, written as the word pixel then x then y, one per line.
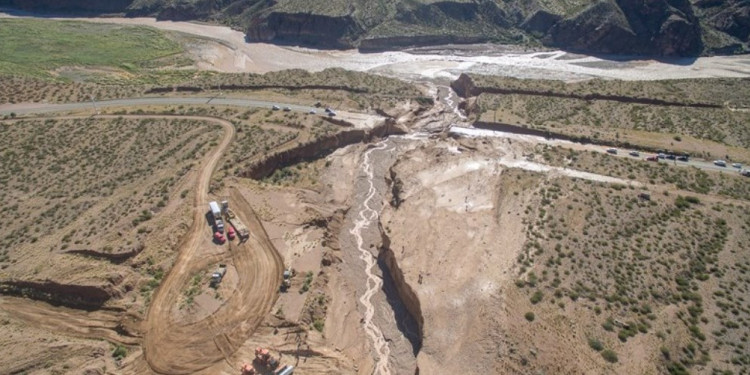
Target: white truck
pixel 216 214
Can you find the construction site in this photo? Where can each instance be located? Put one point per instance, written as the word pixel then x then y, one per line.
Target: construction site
pixel 410 215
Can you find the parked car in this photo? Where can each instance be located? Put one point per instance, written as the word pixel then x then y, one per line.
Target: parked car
pixel 312 112
pixel 671 157
pixel 652 158
pixel 662 155
pixel 331 113
pixel 737 165
pixel 682 158
pixel 720 163
pixel 275 107
pixel 612 151
pixel 635 154
pixel 287 109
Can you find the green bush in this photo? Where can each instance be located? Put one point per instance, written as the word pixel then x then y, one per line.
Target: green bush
pixel 537 297
pixel 318 324
pixel 529 316
pixel 609 356
pixel 596 345
pixel 120 352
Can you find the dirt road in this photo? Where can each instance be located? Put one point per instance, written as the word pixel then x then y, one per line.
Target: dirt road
pixel 171 348
pixel 168 347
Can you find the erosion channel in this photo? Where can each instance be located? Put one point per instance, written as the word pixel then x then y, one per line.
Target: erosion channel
pixel 392 318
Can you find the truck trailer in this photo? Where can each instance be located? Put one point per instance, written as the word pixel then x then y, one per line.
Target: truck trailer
pixel 216 215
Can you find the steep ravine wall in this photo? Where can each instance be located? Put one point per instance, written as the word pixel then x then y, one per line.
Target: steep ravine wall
pixel 406 293
pixel 85 297
pixel 317 148
pixel 465 87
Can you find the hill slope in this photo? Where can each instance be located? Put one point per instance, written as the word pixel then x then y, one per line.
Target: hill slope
pixel 658 27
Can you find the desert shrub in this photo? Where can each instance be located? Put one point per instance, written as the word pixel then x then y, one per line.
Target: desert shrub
pixel 529 316
pixel 609 356
pixel 596 345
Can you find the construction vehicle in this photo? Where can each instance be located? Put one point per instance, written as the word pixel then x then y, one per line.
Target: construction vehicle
pixel 216 215
pixel 263 358
pixel 247 369
pixel 234 221
pixel 218 275
pixel 286 282
pixel 219 238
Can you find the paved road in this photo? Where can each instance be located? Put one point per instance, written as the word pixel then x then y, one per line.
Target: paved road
pixel 358 119
pixel 693 162
pixel 697 163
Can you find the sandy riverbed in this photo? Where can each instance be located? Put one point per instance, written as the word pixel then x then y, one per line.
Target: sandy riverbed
pixel 226 50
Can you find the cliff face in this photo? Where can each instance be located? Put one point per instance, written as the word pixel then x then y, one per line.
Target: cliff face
pixel 305 28
pixel 626 27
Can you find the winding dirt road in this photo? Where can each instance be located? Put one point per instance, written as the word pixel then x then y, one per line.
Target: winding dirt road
pixel 169 347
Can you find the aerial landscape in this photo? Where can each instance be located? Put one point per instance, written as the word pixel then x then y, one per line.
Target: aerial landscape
pixel 374 187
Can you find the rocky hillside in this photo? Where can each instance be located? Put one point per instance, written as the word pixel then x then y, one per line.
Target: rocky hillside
pixel 643 27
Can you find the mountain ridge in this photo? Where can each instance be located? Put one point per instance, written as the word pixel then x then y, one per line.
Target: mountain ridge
pixel 671 28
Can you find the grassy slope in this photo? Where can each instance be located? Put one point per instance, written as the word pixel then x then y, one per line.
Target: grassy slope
pixel 35 47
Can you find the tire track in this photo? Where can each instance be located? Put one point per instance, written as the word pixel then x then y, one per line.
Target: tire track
pixel 374 283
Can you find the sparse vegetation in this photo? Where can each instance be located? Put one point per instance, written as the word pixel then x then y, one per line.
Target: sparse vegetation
pixel 529 316
pixel 629 258
pixel 609 356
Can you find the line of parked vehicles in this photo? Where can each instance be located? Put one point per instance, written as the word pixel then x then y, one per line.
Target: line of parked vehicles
pixel 684 157
pixel 330 112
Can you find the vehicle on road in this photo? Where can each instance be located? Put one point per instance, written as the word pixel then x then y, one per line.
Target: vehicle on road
pixel 218 222
pixel 745 172
pixel 287 109
pixel 236 225
pixel 652 158
pixel 612 151
pixel 634 154
pixel 661 155
pixel 275 107
pixel 218 275
pixel 671 157
pixel 720 163
pixel 312 112
pixel 682 158
pixel 737 165
pixel 328 110
pixel 219 238
pixel 332 113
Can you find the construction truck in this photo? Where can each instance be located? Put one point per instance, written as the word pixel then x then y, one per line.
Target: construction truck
pixel 219 238
pixel 286 282
pixel 263 358
pixel 216 215
pixel 247 369
pixel 218 275
pixel 242 232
